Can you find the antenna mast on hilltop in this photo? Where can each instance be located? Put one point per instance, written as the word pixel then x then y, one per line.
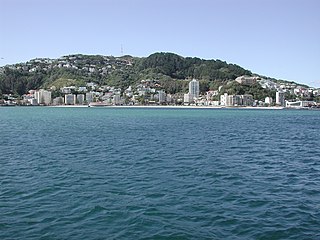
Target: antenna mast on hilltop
pixel 121 50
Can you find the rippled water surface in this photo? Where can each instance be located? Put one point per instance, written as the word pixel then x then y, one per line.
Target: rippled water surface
pixel 117 173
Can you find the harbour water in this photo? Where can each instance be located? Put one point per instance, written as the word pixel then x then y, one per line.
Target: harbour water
pixel 124 173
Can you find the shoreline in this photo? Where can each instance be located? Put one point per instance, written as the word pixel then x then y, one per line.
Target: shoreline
pixel 169 106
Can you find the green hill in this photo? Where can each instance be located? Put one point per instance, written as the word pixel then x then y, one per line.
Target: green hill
pixel 170 69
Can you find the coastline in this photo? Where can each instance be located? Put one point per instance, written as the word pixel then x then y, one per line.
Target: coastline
pixel 168 106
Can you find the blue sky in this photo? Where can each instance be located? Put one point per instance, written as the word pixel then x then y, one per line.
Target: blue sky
pixel 276 38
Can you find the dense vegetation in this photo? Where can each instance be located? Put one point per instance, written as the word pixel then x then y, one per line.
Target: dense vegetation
pixel 178 67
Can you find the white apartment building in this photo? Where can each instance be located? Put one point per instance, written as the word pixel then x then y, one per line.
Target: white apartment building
pixel 280 98
pixel 69 99
pixel 162 96
pixel 236 100
pixel 89 97
pixel 80 99
pixel 186 98
pixel 223 99
pixel 116 99
pixel 268 100
pixel 43 97
pixel 194 89
pixel 246 100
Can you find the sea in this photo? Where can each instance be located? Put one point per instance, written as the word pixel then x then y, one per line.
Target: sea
pixel 159 173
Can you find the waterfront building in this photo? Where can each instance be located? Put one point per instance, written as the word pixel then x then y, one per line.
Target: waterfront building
pixel 232 100
pixel 89 97
pixel 236 100
pixel 223 99
pixel 268 100
pixel 32 101
pixel 70 99
pixel 246 100
pixel 43 97
pixel 194 89
pixel 169 98
pixel 186 98
pixel 280 100
pixel 80 99
pixel 116 99
pixel 57 101
pixel 162 96
pixel 300 104
pixel 214 103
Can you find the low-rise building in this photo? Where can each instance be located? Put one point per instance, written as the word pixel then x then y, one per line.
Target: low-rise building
pixel 246 80
pixel 186 98
pixel 299 104
pixel 57 101
pixel 82 89
pixel 268 100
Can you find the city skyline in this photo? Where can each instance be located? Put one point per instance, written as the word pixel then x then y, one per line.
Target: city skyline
pixel 273 38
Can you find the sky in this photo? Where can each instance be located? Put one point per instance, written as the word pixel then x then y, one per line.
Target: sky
pixel 274 38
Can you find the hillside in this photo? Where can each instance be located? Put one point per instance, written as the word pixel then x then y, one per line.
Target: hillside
pixel 169 68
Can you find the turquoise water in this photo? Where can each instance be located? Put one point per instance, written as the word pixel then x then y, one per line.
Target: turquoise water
pixel 113 173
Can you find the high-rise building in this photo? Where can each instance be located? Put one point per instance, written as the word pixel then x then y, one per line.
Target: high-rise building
pixel 223 99
pixel 231 100
pixel 162 96
pixel 246 100
pixel 69 99
pixel 116 99
pixel 280 98
pixel 194 89
pixel 89 97
pixel 43 97
pixel 80 99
